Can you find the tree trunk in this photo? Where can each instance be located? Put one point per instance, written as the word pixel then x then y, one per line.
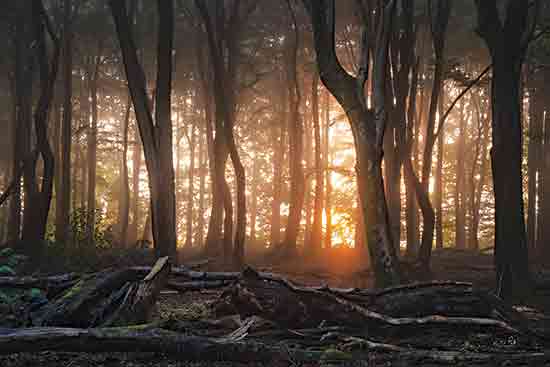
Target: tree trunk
pixel 460 197
pixel 63 203
pixel 367 125
pixel 199 234
pixel 295 143
pixel 40 196
pixel 278 159
pixel 439 24
pixel 136 168
pixel 533 161
pixel 477 188
pixel 23 99
pixel 92 157
pixel 124 201
pixel 506 44
pixel 317 227
pixel 438 191
pixel 191 189
pixel 254 196
pixel 328 174
pixel 156 136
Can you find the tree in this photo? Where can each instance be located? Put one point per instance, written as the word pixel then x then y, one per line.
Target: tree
pixel 368 124
pixel 223 36
pixel 93 76
pixel 63 197
pixel 156 134
pixel 439 20
pixel 23 96
pixel 295 139
pixel 124 201
pixel 39 196
pixel 317 227
pixel 507 42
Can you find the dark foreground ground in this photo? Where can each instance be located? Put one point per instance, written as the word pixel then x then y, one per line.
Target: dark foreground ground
pixel 199 305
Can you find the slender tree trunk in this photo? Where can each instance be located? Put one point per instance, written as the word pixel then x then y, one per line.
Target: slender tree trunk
pixel 156 135
pixel 439 24
pixel 199 233
pixel 438 192
pixel 411 213
pixel 328 174
pixel 295 144
pixel 92 157
pixel 478 186
pixel 460 197
pixel 317 227
pixel 191 189
pixel 278 159
pixel 136 168
pixel 21 88
pixel 254 196
pixel 63 204
pixel 533 168
pixel 124 201
pixel 308 150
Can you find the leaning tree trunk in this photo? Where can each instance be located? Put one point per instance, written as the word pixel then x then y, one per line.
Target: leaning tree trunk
pixel 439 24
pixel 156 136
pixel 367 125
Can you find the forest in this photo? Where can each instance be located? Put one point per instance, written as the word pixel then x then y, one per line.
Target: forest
pixel 274 183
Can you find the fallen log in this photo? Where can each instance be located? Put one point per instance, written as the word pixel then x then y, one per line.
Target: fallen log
pixel 150 338
pixel 139 297
pixel 146 339
pixel 198 285
pixel 37 282
pixel 78 306
pixel 291 306
pixel 109 295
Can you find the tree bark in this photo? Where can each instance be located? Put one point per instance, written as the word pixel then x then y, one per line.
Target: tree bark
pixel 40 196
pixel 533 161
pixel 367 125
pixel 460 190
pixel 507 44
pixel 156 136
pixel 295 140
pixel 191 189
pixel 124 200
pixel 278 159
pixel 317 227
pixel 327 162
pixel 63 201
pixel 23 97
pixel 438 181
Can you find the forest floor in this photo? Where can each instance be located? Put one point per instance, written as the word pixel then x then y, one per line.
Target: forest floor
pixel 192 306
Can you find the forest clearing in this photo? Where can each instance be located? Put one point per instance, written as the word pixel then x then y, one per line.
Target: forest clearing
pixel 274 183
